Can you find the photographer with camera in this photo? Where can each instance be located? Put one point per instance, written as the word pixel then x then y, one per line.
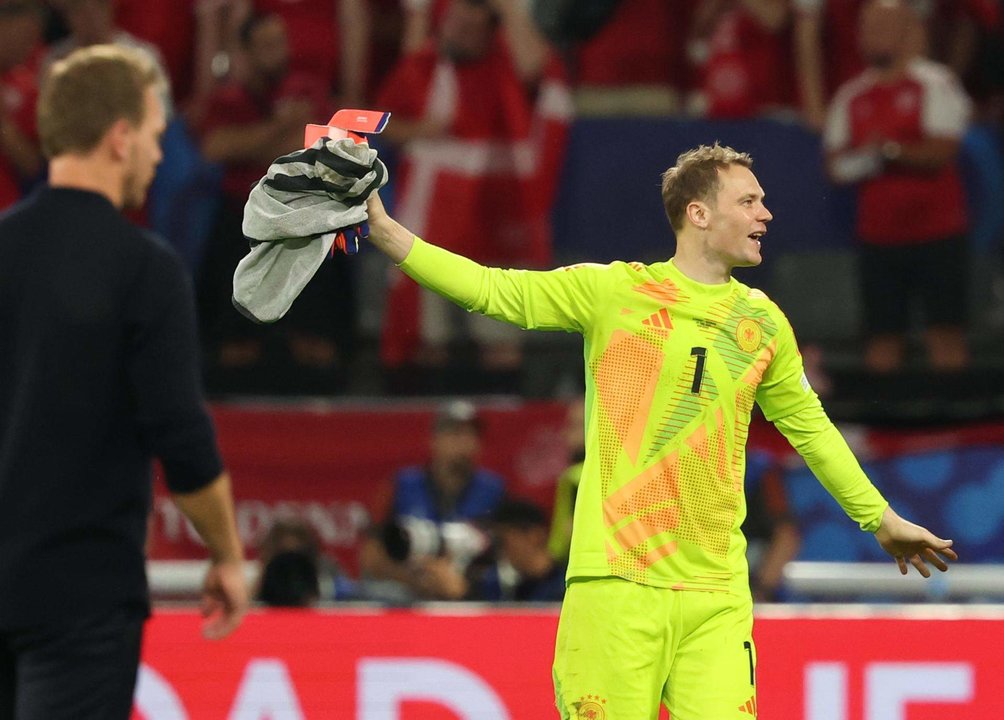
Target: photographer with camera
pixel 429 535
pixel 523 569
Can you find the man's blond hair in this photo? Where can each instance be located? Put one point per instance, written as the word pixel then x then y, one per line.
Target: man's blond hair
pixel 89 90
pixel 695 177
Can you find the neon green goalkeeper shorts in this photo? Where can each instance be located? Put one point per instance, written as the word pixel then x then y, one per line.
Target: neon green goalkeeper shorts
pixel 623 649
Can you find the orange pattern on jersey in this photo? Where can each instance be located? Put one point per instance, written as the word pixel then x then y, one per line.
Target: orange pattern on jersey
pixel 665 292
pixel 657 484
pixel 650 503
pixel 626 376
pixel 745 397
pixel 708 495
pixel 755 373
pixel 698 442
pixel 683 467
pixel 663 551
pixel 632 565
pixel 695 495
pixel 648 525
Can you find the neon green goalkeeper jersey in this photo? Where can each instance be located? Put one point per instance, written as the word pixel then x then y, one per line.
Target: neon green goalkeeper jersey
pixel 673 368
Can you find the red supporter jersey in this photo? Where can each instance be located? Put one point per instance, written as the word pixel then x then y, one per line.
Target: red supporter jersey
pixel 19 95
pixel 234 105
pixel 486 187
pixel 748 69
pixel 312 27
pixel 499 144
pixel 170 26
pixel 839 28
pixel 839 20
pixel 902 206
pixel 641 44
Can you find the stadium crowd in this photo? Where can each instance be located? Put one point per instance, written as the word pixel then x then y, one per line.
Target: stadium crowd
pixel 884 119
pixel 484 94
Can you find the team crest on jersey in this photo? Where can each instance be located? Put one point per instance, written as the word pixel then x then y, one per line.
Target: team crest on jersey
pixel 749 335
pixel 591 708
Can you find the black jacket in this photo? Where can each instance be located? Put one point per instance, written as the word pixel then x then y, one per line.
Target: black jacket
pixel 98 375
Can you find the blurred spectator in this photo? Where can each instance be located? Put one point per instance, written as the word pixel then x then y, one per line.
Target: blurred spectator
pixel 957 32
pixel 248 124
pixel 386 29
pixel 636 63
pixel 772 535
pixel 748 71
pixel 92 22
pixel 329 38
pixel 218 56
pixel 427 525
pixel 826 52
pixel 294 571
pixel 827 48
pixel 560 536
pixel 289 554
pixel 895 130
pixel 20 159
pixel 170 26
pixel 524 570
pixel 480 158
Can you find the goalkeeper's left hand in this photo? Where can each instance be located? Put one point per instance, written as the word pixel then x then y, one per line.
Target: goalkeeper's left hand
pixel 908 542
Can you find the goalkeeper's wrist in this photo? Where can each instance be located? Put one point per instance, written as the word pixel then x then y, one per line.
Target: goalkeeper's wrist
pixel 874 525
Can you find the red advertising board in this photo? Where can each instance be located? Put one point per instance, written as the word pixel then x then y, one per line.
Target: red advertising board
pixel 464 664
pixel 332 465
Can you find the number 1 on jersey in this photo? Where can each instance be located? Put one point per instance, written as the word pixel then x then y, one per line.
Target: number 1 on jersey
pixel 748 647
pixel 702 354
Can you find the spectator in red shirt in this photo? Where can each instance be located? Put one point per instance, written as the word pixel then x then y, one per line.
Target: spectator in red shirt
pixel 92 22
pixel 826 43
pixel 20 159
pixel 329 38
pixel 169 25
pixel 480 114
pixel 247 125
pixel 826 52
pixel 636 63
pixel 748 69
pixel 895 131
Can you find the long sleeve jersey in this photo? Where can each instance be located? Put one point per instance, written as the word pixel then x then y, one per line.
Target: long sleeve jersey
pixel 673 368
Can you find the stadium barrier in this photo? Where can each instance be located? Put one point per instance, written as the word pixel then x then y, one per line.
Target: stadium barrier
pixel 844 581
pixel 461 662
pixel 816 581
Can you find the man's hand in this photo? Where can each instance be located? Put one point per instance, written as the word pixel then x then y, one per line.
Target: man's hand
pixel 908 542
pixel 224 599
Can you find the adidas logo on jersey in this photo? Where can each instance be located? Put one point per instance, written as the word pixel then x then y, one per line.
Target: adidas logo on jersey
pixel 659 320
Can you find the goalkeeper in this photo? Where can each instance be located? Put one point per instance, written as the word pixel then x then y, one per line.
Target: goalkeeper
pixel 658 607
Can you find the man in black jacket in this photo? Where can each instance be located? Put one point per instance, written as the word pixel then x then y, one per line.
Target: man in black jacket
pixel 98 375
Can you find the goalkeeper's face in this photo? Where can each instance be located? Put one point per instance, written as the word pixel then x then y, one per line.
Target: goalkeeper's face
pixel 737 218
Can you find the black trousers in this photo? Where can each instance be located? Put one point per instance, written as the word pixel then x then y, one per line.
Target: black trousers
pixel 83 668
